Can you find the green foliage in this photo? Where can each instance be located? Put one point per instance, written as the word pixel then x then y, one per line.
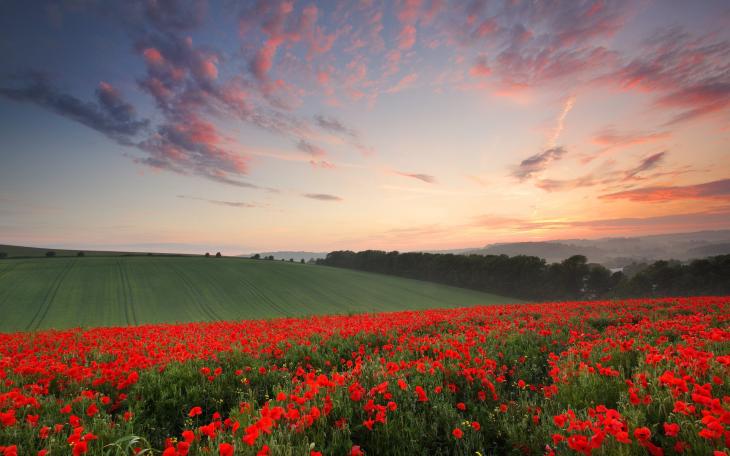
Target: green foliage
pixel 532 278
pixel 93 291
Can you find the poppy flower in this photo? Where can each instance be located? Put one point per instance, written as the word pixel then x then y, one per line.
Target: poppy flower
pixel 458 433
pixel 225 449
pixel 642 433
pixel 671 429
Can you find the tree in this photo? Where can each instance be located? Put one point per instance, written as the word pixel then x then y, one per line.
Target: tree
pixel 50 253
pixel 302 261
pixel 218 255
pixel 291 260
pixel 80 254
pixel 3 255
pixel 256 257
pixel 599 280
pixel 207 254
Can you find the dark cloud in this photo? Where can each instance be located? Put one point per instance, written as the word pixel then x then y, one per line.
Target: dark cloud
pixel 422 177
pixel 322 197
pixel 719 189
pixel 609 177
pixel 646 164
pixel 311 149
pixel 237 204
pixel 537 163
pixel 177 15
pixel 333 125
pixel 109 114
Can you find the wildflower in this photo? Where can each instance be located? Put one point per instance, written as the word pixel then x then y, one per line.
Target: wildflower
pixel 458 433
pixel 671 429
pixel 225 449
pixel 642 433
pixel 92 410
pixel 195 411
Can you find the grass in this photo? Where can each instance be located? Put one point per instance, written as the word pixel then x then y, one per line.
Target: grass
pixel 110 291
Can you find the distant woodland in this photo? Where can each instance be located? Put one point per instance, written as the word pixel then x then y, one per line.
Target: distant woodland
pixel 530 277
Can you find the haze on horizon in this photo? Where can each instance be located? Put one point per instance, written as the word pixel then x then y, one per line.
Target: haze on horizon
pixel 320 125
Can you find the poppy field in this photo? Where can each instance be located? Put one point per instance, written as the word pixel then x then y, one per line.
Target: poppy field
pixel 603 378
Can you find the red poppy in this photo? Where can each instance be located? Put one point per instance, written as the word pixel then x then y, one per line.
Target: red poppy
pixel 225 449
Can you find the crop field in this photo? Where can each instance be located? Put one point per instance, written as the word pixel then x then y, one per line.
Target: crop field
pixel 70 292
pixel 573 378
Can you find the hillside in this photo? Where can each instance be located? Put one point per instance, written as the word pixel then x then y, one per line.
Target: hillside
pixel 18 251
pixel 93 291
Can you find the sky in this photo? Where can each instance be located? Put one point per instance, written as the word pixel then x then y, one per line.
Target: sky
pixel 166 125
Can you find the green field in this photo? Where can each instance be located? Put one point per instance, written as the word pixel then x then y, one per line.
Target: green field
pixel 94 291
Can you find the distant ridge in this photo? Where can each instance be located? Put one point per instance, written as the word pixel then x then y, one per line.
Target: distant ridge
pixel 620 251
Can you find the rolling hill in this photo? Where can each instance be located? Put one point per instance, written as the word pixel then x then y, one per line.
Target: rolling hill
pixel 107 291
pixel 18 251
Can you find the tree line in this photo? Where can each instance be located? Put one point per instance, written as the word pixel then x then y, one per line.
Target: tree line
pixel 530 277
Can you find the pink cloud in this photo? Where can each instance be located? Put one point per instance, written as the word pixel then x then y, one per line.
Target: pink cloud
pixel 407 37
pixel 709 190
pixel 612 138
pixel 480 68
pixel 405 83
pixel 153 56
pixel 263 61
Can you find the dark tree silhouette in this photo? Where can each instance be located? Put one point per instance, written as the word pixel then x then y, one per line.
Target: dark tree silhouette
pixel 532 278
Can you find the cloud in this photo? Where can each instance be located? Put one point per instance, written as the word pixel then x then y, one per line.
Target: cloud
pixel 719 189
pixel 610 176
pixel 560 124
pixel 109 114
pixel 333 125
pixel 709 219
pixel 176 15
pixel 193 145
pixel 480 67
pixel 405 82
pixel 646 164
pixel 311 149
pixel 533 165
pixel 612 138
pixel 427 178
pixel 697 101
pixel 322 197
pixel 324 164
pixel 407 37
pixel 238 204
pixel 688 73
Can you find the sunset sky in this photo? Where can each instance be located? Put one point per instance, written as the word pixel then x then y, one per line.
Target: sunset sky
pixel 303 125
